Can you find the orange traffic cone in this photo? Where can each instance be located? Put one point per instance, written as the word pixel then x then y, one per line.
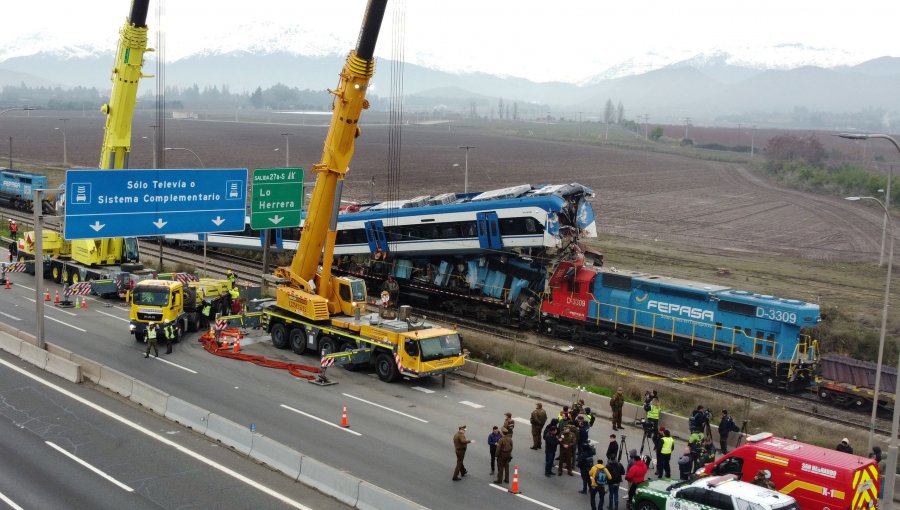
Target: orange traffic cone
pixel 83 302
pixel 515 485
pixel 237 344
pixel 344 417
pixel 7 283
pixel 57 297
pixel 47 295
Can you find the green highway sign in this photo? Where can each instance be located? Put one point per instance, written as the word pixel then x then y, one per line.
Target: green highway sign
pixel 276 198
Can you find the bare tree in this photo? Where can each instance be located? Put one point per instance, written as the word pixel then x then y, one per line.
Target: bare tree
pixel 620 113
pixel 608 115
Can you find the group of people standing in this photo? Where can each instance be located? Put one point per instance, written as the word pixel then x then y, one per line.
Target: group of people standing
pixel 566 444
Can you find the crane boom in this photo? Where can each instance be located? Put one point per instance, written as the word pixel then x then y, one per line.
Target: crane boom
pixel 317 241
pixel 125 75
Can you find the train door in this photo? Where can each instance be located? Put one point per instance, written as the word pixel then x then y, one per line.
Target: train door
pixel 375 236
pixel 275 239
pixel 489 231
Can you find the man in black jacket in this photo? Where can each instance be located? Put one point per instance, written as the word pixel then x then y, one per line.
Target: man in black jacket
pixel 726 427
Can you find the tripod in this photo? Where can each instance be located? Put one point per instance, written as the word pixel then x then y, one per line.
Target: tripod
pixel 649 442
pixel 742 435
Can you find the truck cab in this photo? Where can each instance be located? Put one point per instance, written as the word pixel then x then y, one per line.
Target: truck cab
pixel 156 301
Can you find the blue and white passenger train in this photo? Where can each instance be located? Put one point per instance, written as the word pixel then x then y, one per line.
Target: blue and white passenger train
pixel 514 219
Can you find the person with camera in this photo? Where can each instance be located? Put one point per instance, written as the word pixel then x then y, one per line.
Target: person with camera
pixel 653 410
pixel 726 427
pixel 584 462
pixel 699 419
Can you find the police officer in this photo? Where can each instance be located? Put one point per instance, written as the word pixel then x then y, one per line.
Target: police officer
pixel 504 455
pixel 169 332
pixel 567 450
pixel 616 403
pixel 538 419
pixel 460 443
pixel 151 341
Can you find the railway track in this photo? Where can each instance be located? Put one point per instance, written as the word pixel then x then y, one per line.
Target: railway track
pixel 250 270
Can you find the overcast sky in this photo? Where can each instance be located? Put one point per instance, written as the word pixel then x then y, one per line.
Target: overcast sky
pixel 539 40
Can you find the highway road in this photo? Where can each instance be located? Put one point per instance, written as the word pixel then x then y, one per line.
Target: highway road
pixel 69 446
pixel 399 436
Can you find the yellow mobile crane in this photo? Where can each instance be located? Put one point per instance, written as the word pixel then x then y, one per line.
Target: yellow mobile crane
pixel 105 259
pixel 318 311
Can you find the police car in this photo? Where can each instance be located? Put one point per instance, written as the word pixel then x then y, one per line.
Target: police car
pixel 715 493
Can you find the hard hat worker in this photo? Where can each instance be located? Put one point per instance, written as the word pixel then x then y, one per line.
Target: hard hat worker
pixel 232 278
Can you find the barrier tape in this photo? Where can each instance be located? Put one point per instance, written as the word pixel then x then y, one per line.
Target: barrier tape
pixel 663 377
pixel 211 346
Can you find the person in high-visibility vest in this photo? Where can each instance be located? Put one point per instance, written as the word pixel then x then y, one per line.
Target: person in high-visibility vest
pixel 151 341
pixel 169 331
pixel 653 416
pixel 231 277
pixel 206 310
pixel 663 468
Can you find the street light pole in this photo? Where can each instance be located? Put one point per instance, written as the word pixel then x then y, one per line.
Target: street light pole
pixel 891 465
pixel 287 149
pixel 204 233
pixel 65 155
pixel 466 178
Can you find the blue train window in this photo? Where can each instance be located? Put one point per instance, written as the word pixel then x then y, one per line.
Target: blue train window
pixel 616 281
pixel 741 308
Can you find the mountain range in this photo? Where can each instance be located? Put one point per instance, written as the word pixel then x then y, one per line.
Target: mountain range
pixel 709 88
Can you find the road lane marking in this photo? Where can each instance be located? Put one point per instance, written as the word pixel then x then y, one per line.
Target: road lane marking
pixel 29 299
pixel 526 498
pixel 113 316
pixel 89 466
pixel 65 324
pixel 423 390
pixel 10 502
pixel 522 420
pixel 176 365
pixel 140 428
pixel 471 404
pixel 289 408
pixel 13 317
pixel 24 287
pixel 63 311
pixel 385 408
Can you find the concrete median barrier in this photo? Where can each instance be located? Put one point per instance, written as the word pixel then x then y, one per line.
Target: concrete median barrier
pixel 116 381
pixel 33 355
pixel 547 390
pixel 4 327
pixel 229 433
pixel 64 368
pixel 187 414
pixel 330 481
pixel 152 398
pixel 10 344
pixel 27 337
pixel 276 455
pixel 469 370
pixel 499 377
pixel 372 497
pixel 59 351
pixel 90 369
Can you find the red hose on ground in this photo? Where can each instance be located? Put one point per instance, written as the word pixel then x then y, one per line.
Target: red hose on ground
pixel 211 346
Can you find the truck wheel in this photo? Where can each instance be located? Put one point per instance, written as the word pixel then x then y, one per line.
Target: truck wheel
pixel 194 323
pixel 386 368
pixel 328 345
pixel 298 340
pixel 55 273
pixel 279 336
pixel 646 505
pixel 75 277
pixel 350 367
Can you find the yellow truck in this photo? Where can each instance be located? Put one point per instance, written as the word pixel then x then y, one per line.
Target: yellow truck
pixel 322 312
pixel 160 301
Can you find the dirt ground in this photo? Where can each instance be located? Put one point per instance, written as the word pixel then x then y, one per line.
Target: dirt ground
pixel 651 196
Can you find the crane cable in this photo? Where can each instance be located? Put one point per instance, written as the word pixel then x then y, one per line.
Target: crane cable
pixel 396 114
